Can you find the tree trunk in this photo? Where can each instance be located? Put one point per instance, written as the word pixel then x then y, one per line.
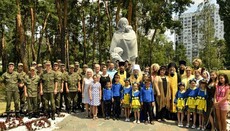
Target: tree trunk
pixel 84 35
pixel 21 34
pixel 118 11
pixel 32 13
pixel 63 34
pixel 130 11
pixel 109 20
pixel 98 29
pixel 151 46
pixel 41 37
pixel 3 52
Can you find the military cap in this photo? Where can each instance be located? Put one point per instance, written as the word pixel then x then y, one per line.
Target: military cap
pixel 102 63
pixel 62 64
pixel 71 66
pixel 34 63
pixel 85 66
pixel 32 68
pixel 55 63
pixel 48 63
pixel 44 62
pixel 39 65
pixel 20 64
pixel 76 63
pixel 11 63
pixel 58 60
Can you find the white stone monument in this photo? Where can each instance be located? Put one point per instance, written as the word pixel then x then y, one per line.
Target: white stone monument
pixel 124 43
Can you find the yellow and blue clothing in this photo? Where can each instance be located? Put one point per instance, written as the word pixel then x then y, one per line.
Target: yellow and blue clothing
pixel 180 100
pixel 117 89
pixel 126 95
pixel 136 100
pixel 147 94
pixel 107 94
pixel 201 101
pixel 191 94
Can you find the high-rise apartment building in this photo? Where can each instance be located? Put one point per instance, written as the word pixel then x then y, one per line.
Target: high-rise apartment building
pixel 190 34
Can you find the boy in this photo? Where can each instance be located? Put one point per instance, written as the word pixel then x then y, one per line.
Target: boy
pixel 147 101
pixel 107 98
pixel 116 89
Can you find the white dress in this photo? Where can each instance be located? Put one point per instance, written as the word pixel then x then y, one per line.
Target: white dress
pixel 87 83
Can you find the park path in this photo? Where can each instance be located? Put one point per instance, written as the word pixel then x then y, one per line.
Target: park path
pixel 78 123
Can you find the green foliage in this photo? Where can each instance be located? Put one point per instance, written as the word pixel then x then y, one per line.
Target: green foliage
pixel 210 53
pixel 224 12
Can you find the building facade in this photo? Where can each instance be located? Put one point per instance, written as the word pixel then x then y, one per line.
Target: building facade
pixel 190 34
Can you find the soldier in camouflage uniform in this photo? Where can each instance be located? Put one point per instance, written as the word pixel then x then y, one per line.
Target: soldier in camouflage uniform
pixel 31 92
pixel 48 88
pixel 11 79
pixel 64 94
pixel 60 85
pixel 72 87
pixel 22 74
pixel 40 100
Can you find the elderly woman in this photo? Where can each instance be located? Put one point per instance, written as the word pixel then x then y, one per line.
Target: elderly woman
pixel 165 91
pixel 136 76
pixel 197 64
pixel 188 77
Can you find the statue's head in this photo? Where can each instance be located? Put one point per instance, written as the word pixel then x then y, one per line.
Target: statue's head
pixel 122 24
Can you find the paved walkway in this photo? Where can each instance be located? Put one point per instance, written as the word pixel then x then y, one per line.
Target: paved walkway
pixel 79 123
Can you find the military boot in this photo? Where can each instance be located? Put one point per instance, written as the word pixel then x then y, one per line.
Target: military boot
pixel 53 115
pixel 17 114
pixel 7 117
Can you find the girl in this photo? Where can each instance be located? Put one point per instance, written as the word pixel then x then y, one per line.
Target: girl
pixel 85 87
pixel 95 95
pixel 126 99
pixel 103 80
pixel 165 91
pixel 210 97
pixel 220 101
pixel 136 103
pixel 180 103
pixel 191 94
pixel 201 103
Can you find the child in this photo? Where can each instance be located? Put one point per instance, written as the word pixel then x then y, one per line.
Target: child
pixel 191 94
pixel 116 89
pixel 135 104
pixel 180 103
pixel 107 99
pixel 95 95
pixel 201 103
pixel 221 101
pixel 147 101
pixel 126 99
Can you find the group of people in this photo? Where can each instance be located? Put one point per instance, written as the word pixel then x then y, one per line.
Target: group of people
pixel 156 92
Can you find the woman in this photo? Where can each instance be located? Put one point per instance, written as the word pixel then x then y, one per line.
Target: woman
pixel 154 79
pixel 165 97
pixel 221 101
pixel 210 96
pixel 87 81
pixel 103 80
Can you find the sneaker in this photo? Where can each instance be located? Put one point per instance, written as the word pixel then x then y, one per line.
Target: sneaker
pixel 134 121
pixel 187 125
pixel 193 126
pixel 138 122
pixel 128 120
pixel 178 124
pixel 181 124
